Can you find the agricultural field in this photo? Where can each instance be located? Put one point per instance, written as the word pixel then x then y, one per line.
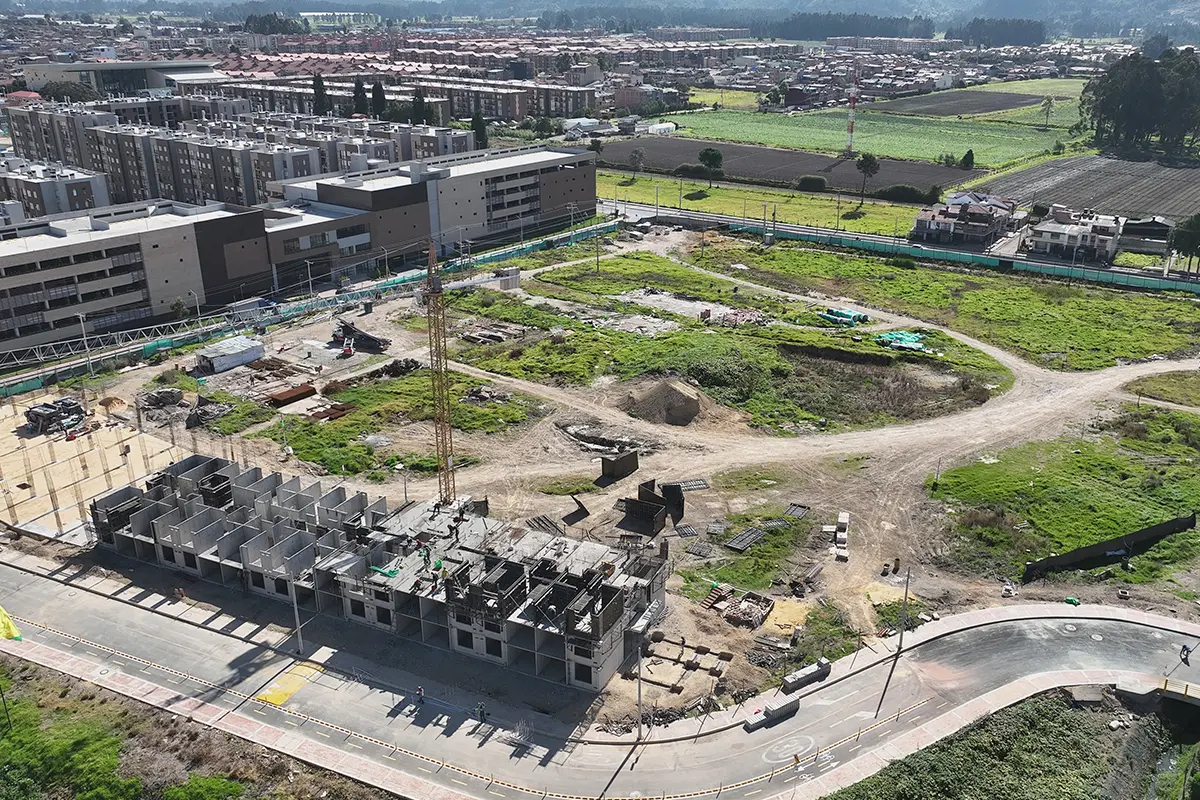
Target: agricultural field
pixel 1058 88
pixel 1063 115
pixel 1057 326
pixel 1181 388
pixel 772 165
pixel 890 135
pixel 727 98
pixel 1039 498
pixel 823 210
pixel 956 102
pixel 784 377
pixel 1129 188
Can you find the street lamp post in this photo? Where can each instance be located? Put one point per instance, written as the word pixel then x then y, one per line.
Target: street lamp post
pixel 193 294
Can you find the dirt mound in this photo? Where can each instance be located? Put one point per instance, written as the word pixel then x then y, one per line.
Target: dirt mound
pixel 672 402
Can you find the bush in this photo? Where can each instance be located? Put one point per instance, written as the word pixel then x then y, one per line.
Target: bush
pixel 698 171
pixel 811 183
pixel 902 263
pixel 1039 210
pixel 904 193
pixel 1059 148
pixel 948 160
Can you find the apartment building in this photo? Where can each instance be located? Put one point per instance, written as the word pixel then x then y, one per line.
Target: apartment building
pixel 54 132
pixel 44 189
pixel 297 97
pixel 542 605
pixel 117 265
pixel 890 44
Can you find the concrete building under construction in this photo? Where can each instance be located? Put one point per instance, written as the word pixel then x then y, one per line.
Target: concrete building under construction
pixel 447 576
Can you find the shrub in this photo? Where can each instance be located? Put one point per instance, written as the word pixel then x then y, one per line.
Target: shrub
pixel 1059 148
pixel 811 183
pixel 1039 210
pixel 698 171
pixel 204 787
pixel 902 262
pixel 904 193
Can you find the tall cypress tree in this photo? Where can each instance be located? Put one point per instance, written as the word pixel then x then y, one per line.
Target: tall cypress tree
pixel 361 106
pixel 418 107
pixel 378 100
pixel 320 99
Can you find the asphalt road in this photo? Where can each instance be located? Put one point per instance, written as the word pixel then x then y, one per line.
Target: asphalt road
pixel 922 684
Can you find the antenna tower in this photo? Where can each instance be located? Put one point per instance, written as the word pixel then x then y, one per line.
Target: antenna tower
pixel 850 120
pixel 435 311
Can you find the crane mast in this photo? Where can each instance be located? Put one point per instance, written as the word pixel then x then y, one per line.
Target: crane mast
pixel 435 311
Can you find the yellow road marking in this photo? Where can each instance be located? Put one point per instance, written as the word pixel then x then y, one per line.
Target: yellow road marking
pixel 286 685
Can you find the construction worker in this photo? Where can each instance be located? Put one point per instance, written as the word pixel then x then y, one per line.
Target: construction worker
pixel 1185 654
pixel 420 695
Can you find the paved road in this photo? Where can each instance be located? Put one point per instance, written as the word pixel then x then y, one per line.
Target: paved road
pixel 925 683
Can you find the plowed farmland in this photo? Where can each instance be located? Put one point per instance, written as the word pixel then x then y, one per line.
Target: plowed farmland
pixel 1129 188
pixel 773 165
pixel 948 104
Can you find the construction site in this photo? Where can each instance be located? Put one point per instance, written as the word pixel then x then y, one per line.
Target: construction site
pixel 640 542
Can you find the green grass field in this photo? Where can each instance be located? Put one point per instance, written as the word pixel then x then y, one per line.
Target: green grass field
pixel 1055 87
pixel 1058 326
pixel 786 378
pixel 337 445
pixel 1041 749
pixel 920 138
pixel 1063 115
pixel 1051 497
pixel 1181 387
pixel 792 207
pixel 728 98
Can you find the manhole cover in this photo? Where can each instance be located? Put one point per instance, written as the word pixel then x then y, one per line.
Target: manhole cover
pixel 1070 628
pixel 1097 637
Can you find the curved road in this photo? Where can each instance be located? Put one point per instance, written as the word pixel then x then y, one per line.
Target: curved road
pixel 849 716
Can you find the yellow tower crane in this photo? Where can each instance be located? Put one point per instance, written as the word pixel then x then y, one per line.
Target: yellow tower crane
pixel 435 311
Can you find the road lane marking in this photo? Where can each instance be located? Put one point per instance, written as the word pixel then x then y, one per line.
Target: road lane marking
pixel 852 749
pixel 496 793
pixel 790 778
pixel 943 705
pixel 460 783
pixel 420 768
pixel 756 791
pixel 914 719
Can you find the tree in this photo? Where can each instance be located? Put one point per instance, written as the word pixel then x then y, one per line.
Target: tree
pixel 868 165
pixel 543 127
pixel 418 107
pixel 123 27
pixel 1185 239
pixel 596 146
pixel 712 160
pixel 637 160
pixel 378 100
pixel 563 62
pixel 1047 108
pixel 321 105
pixel 1156 45
pixel 361 104
pixel 967 162
pixel 71 91
pixel 479 127
pixel 179 308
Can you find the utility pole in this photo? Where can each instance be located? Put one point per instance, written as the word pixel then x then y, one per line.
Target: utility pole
pixel 193 294
pixel 639 690
pixel 296 611
pixel 597 238
pixel 743 211
pixel 904 613
pixel 87 350
pixel 308 266
pixel 837 221
pixel 656 202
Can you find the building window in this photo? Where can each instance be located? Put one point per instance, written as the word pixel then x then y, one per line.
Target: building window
pixel 583 652
pixel 462 619
pixel 383 616
pixel 189 560
pixel 583 673
pixel 256 579
pixel 358 609
pixel 168 554
pixel 494 627
pixel 281 586
pixel 382 596
pixel 465 640
pixel 493 646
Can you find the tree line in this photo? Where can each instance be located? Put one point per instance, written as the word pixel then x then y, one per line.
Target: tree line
pixel 1139 99
pixel 273 23
pixel 986 32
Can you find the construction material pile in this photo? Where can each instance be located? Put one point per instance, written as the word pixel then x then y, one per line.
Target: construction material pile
pixel 160 398
pixel 671 402
pixel 901 340
pixel 751 610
